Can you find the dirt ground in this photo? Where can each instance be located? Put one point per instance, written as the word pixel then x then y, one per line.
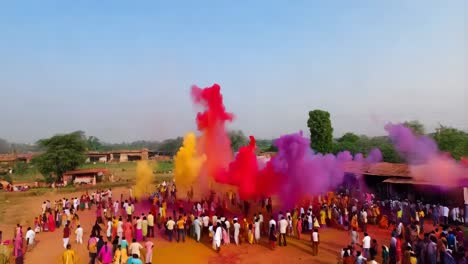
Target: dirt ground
pixel 49 244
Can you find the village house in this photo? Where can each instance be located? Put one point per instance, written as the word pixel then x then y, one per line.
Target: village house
pixel 85 176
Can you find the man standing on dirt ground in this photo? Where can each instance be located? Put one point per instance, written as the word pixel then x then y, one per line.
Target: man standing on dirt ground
pixel 315 242
pixel 30 235
pixel 66 235
pixel 79 235
pixel 283 225
pixel 150 219
pixel 69 256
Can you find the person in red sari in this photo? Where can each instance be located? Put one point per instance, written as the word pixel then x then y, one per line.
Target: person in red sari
pixel 128 230
pixel 51 222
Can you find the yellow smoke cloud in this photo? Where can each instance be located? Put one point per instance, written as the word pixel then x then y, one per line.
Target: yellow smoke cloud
pixel 187 162
pixel 144 179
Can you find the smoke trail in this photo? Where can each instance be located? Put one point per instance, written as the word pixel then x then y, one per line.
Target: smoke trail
pixel 187 163
pixel 426 162
pixel 214 141
pixel 144 179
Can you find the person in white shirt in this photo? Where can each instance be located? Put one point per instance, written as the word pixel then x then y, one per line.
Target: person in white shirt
pixel 218 234
pixel 116 207
pixel 445 213
pixel 30 235
pixel 272 222
pixel 360 259
pixel 135 247
pixel 366 244
pixel 237 227
pixel 170 228
pixel 283 226
pixel 197 226
pixel 79 235
pixel 262 227
pixel 315 242
pixel 364 220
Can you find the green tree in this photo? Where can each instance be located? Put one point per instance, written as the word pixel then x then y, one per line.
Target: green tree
pixel 63 153
pixel 349 137
pixel 452 140
pixel 170 145
pixel 321 131
pixel 93 143
pixel 238 139
pixel 415 126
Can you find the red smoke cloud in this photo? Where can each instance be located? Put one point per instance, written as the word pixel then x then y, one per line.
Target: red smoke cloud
pixel 214 141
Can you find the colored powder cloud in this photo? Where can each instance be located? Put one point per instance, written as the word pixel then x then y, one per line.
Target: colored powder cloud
pixel 304 172
pixel 243 171
pixel 144 185
pixel 427 163
pixel 187 162
pixel 214 142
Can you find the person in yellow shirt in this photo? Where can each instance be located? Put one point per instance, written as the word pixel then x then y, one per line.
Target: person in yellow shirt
pixel 163 209
pixel 421 218
pixel 69 256
pixel 180 229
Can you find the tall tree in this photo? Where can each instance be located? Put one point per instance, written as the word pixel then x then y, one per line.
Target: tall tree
pixel 416 126
pixel 452 140
pixel 238 139
pixel 321 131
pixel 63 153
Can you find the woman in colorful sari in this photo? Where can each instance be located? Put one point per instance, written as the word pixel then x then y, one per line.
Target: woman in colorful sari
pixel 139 231
pixel 18 241
pixel 299 228
pixel 128 230
pixel 226 238
pixel 82 203
pixel 51 222
pixel 118 256
pixel 106 254
pixel 322 217
pixel 115 223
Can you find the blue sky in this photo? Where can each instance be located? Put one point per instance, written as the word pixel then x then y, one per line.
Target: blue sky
pixel 122 70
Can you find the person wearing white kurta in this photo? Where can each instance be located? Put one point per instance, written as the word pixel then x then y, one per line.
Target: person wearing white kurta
pixel 120 229
pixel 197 227
pixel 218 234
pixel 79 235
pixel 237 227
pixel 257 230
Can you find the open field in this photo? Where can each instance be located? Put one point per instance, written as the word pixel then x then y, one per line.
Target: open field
pixel 123 171
pixel 23 207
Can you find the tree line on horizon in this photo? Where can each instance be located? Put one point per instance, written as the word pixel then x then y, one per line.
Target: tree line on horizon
pixel 64 152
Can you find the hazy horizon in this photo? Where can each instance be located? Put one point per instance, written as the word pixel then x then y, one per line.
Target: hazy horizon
pixel 122 71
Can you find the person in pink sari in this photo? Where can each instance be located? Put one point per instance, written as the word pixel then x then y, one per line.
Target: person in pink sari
pixel 51 222
pixel 226 238
pixel 18 241
pixel 106 255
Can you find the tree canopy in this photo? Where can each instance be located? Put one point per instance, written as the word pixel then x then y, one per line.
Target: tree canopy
pixel 416 126
pixel 321 131
pixel 238 139
pixel 62 153
pixel 452 140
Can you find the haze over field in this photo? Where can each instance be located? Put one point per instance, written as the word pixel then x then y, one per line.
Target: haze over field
pixel 121 71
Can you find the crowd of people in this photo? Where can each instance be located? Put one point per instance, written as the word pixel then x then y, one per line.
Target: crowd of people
pixel 120 235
